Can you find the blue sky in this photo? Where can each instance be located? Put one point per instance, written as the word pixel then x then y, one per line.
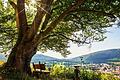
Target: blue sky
pixel 111 42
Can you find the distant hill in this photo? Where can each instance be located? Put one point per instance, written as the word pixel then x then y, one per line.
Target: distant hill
pixel 100 56
pixel 36 58
pixel 41 57
pixel 96 57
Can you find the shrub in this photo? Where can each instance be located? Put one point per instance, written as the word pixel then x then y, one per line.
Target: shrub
pixel 12 74
pixel 60 71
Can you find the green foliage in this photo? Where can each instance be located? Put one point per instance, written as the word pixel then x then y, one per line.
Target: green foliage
pixel 7 27
pixel 62 72
pixel 12 74
pixel 108 77
pixel 58 72
pixel 84 25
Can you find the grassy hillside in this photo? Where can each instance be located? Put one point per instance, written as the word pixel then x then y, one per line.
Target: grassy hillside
pixel 100 56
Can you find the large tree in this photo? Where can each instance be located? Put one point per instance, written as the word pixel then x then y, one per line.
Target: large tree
pixel 31 25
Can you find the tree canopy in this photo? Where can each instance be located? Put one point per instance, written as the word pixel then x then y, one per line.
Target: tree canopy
pixel 77 21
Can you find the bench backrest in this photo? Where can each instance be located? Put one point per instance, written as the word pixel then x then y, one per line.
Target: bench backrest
pixel 39 66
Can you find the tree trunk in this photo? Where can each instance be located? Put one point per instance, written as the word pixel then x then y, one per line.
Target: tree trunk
pixel 20 57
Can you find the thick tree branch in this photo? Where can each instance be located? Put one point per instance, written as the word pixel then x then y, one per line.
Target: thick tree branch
pixel 46 20
pixel 41 11
pixel 97 12
pixel 22 16
pixel 65 13
pixel 12 4
pixel 74 40
pixel 62 35
pixel 16 12
pixel 21 21
pixel 44 33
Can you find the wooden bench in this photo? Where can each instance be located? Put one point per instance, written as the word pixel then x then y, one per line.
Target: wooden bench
pixel 40 71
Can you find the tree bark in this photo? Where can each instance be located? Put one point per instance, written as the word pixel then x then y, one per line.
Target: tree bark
pixel 20 57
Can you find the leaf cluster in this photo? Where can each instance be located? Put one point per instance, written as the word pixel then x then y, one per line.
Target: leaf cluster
pixel 83 25
pixel 7 27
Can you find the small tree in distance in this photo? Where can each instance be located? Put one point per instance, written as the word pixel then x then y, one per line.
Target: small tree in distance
pixel 50 25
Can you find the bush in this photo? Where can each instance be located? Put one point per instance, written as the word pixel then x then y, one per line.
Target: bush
pixel 12 74
pixel 60 71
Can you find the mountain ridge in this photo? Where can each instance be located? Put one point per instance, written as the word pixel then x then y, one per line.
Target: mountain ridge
pixel 96 57
pixel 100 56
